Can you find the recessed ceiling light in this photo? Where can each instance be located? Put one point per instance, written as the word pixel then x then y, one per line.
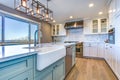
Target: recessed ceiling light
pixel 100 13
pixel 110 11
pixel 54 21
pixel 114 10
pixel 71 17
pixel 91 5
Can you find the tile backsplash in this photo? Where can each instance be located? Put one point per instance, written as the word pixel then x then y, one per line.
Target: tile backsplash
pixel 77 35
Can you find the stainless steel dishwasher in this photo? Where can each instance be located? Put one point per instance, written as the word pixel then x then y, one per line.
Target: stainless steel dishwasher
pixel 68 59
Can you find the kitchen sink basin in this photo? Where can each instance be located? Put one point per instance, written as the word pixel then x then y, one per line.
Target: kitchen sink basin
pixel 48 55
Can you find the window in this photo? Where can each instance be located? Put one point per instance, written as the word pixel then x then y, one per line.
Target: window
pixel 0 36
pixel 0 29
pixel 33 28
pixel 16 32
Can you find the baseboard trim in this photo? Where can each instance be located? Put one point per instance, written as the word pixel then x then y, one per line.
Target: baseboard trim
pixel 98 58
pixel 88 57
pixel 118 76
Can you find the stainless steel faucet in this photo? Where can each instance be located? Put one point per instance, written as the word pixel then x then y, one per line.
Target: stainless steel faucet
pixel 35 37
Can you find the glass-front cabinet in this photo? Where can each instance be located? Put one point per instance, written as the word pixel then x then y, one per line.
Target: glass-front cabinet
pixel 58 30
pixel 103 25
pixel 100 26
pixel 95 26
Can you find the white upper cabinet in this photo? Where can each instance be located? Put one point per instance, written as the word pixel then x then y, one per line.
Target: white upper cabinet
pixel 114 18
pixel 58 30
pixel 114 12
pixel 87 26
pixel 96 26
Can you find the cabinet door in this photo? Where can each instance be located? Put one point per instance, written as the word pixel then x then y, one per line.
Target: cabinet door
pixel 48 76
pixel 114 58
pixel 86 49
pixel 112 11
pixel 118 6
pixel 95 26
pixel 53 30
pixel 57 29
pixel 59 71
pixel 106 52
pixel 87 26
pixel 118 60
pixel 101 50
pixel 62 31
pixel 93 50
pixel 24 76
pixel 117 30
pixel 103 25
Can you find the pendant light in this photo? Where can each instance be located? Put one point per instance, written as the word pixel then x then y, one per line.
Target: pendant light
pixel 34 8
pixel 24 3
pixel 47 13
pixel 38 9
pixel 21 5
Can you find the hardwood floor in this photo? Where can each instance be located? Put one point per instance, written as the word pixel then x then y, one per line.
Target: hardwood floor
pixel 90 69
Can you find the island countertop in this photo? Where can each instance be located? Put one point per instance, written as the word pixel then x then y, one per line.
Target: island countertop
pixel 17 51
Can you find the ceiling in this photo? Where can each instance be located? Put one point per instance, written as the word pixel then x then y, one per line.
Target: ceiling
pixel 77 8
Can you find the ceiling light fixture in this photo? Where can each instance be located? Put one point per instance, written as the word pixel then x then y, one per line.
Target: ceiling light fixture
pixel 21 5
pixel 114 10
pixel 34 8
pixel 100 13
pixel 49 13
pixel 54 21
pixel 110 11
pixel 91 5
pixel 71 17
pixel 24 3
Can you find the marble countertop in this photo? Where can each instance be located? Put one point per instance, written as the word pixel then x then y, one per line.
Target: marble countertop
pixel 14 51
pixel 17 51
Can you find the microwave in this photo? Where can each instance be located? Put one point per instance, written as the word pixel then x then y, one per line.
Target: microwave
pixel 111 36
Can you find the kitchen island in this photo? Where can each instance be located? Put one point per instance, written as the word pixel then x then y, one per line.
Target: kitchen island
pixel 24 66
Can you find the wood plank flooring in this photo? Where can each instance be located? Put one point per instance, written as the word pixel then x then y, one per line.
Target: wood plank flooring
pixel 90 69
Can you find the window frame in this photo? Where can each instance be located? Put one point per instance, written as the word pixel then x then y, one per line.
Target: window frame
pixel 3 43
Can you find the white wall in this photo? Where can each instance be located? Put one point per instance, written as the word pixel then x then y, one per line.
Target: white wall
pixel 77 35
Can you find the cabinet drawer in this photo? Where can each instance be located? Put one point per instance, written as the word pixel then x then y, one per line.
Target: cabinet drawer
pixel 47 76
pixel 16 66
pixel 28 75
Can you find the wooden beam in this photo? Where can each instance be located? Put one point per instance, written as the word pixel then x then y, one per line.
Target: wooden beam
pixel 18 13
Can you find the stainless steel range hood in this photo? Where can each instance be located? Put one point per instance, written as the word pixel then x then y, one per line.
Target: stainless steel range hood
pixel 74 24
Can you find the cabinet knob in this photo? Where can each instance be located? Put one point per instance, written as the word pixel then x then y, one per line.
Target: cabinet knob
pixel 110 25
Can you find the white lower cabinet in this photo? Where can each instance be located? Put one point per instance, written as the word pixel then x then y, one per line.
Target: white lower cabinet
pixel 90 49
pixel 110 52
pixel 112 56
pixel 118 61
pixel 101 51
